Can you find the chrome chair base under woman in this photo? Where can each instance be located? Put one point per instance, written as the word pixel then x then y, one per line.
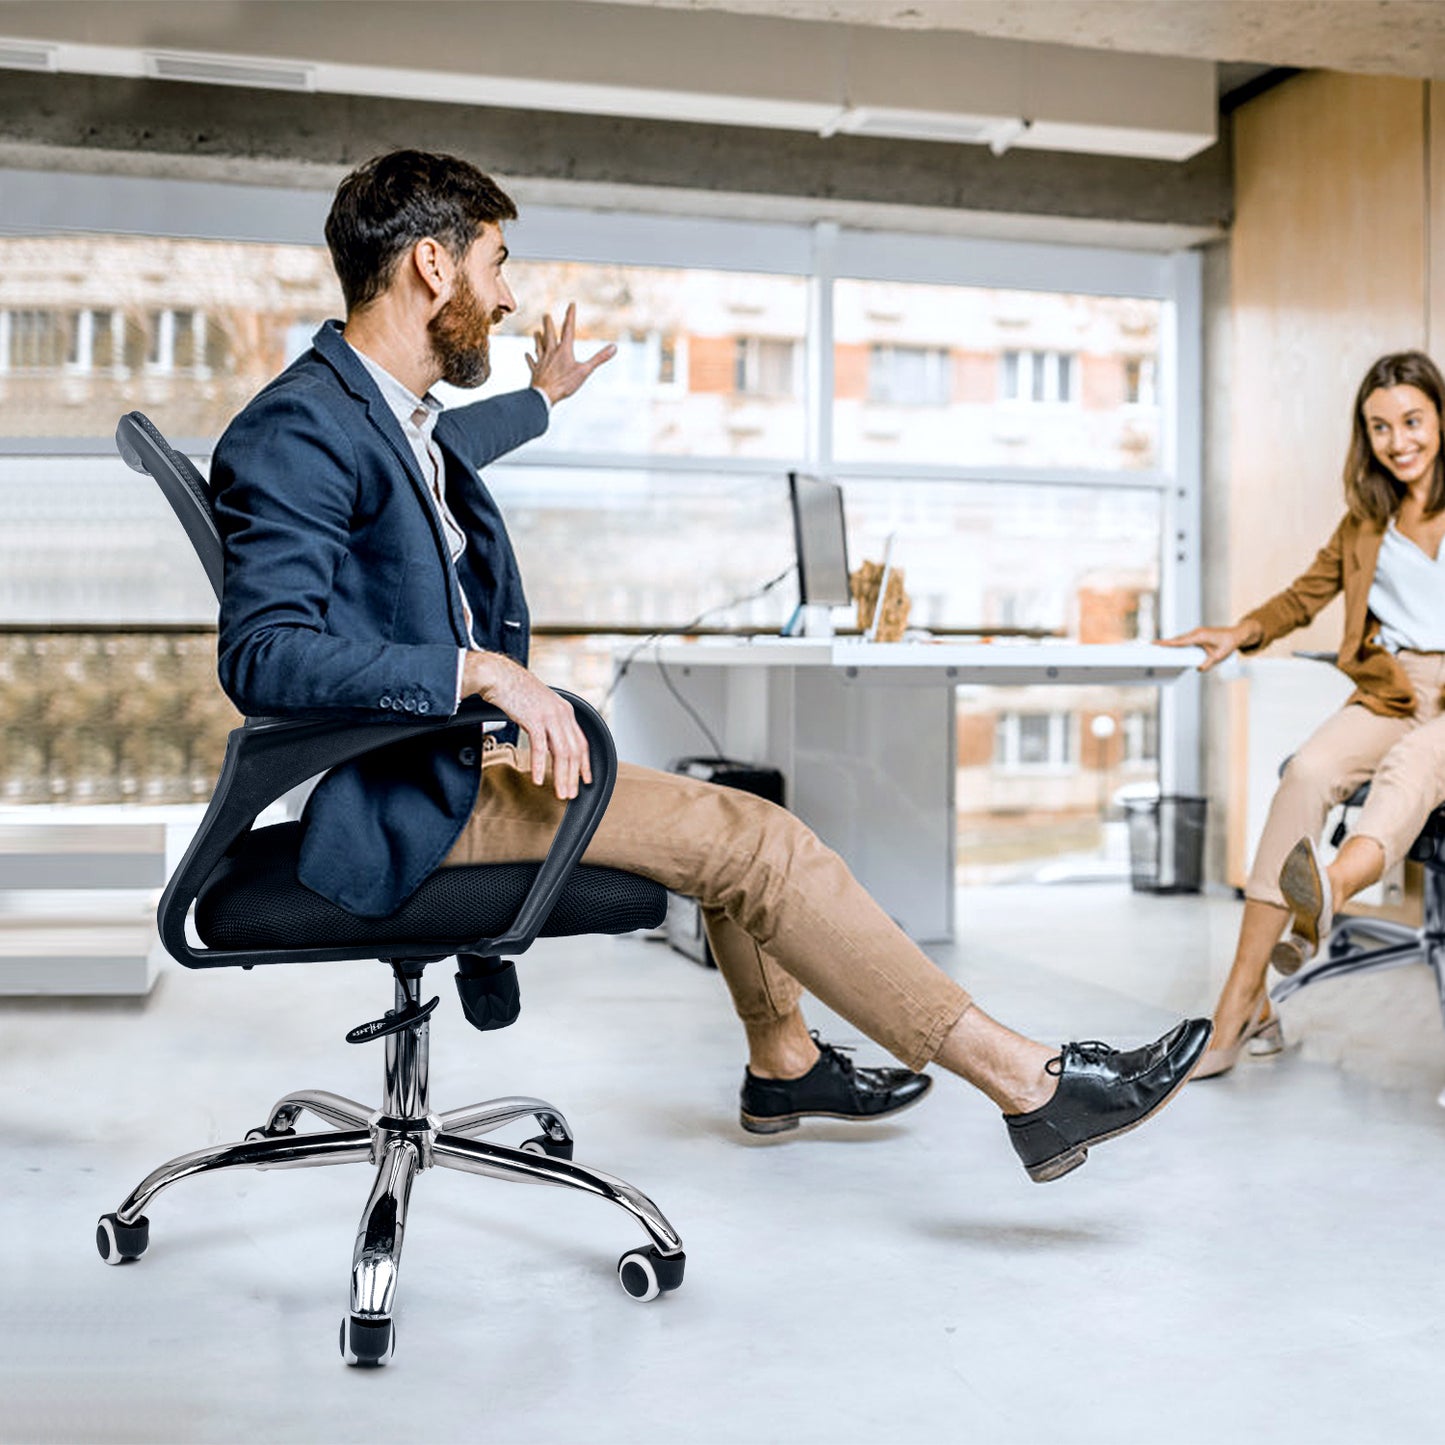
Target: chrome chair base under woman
pixel 1369 945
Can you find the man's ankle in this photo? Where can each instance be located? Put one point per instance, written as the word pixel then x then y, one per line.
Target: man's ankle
pixel 781 1050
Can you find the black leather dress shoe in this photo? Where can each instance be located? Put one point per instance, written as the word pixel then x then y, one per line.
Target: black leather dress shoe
pixel 832 1089
pixel 1102 1092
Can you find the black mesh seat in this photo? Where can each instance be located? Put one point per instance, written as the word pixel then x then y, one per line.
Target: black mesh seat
pixel 254 900
pixel 250 908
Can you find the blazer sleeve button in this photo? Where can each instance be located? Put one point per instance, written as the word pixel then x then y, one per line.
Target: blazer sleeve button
pixel 467 757
pixel 385 701
pixel 410 704
pixel 423 706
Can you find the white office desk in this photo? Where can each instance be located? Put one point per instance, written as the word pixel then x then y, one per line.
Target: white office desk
pixel 863 733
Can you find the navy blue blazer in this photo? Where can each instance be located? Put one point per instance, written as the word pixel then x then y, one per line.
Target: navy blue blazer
pixel 339 592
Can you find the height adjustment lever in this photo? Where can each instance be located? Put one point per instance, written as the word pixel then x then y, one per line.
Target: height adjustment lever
pixel 393 1022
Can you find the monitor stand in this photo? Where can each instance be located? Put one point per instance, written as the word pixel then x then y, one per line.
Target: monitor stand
pixel 809 619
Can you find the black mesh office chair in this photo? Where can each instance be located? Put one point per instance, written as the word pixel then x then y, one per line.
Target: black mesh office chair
pixel 250 909
pixel 1368 945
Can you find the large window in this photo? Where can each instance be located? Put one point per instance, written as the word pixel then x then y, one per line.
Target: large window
pixel 1007 415
pixel 980 376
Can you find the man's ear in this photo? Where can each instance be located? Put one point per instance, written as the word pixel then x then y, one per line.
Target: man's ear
pixel 434 268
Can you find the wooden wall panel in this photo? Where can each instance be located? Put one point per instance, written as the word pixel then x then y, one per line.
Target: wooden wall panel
pixel 1328 271
pixel 1435 220
pixel 1339 185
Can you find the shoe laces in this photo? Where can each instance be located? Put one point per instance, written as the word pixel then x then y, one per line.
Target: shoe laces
pixel 835 1053
pixel 1089 1051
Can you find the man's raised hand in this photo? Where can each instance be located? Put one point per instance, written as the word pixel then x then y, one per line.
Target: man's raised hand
pixel 547 719
pixel 555 368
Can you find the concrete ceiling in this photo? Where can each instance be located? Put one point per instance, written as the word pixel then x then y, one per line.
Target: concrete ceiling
pixel 1383 37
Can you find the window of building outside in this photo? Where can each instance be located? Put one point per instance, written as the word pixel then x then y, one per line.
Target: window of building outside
pixel 765 366
pixel 1034 740
pixel 658 493
pixel 910 375
pixel 1141 736
pixel 1038 376
pixel 1139 381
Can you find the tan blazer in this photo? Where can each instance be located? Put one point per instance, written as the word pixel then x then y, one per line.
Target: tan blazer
pixel 1345 563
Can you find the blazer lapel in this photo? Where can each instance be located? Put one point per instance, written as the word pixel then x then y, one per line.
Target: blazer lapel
pixel 336 351
pixel 1364 553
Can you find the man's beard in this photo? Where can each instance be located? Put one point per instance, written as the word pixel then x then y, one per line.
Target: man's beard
pixel 459 336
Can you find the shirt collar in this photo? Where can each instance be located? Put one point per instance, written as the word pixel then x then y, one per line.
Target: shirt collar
pixel 402 400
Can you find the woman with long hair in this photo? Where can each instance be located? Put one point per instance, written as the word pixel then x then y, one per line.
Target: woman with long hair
pixel 1385 556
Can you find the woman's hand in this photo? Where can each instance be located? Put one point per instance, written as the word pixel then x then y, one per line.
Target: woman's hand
pixel 547 719
pixel 1217 642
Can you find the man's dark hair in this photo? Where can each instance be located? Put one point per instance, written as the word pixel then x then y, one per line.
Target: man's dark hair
pixel 385 206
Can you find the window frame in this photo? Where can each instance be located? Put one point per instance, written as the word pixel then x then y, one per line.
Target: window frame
pixel 822 252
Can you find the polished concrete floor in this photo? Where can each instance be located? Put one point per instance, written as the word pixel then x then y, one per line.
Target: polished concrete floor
pixel 1260 1264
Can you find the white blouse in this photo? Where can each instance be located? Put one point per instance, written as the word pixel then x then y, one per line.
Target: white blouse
pixel 1408 595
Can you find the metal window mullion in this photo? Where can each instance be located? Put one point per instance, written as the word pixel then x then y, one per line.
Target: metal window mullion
pixel 1180 582
pixel 821 377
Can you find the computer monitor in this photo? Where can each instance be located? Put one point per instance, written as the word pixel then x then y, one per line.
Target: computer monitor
pixel 821 538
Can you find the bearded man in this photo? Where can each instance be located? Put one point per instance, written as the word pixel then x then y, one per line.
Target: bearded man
pixel 368 568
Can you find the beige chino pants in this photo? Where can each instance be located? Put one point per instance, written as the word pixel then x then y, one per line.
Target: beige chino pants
pixel 782 911
pixel 1402 757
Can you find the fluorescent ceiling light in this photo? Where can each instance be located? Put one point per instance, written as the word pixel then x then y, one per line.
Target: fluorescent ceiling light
pixel 900 124
pixel 229 70
pixel 20 55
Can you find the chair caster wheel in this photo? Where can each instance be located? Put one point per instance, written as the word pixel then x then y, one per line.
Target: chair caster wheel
pixel 368 1344
pixel 545 1144
pixel 252 1135
pixel 647 1273
pixel 119 1243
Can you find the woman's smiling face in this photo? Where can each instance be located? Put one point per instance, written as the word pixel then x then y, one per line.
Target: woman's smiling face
pixel 1404 432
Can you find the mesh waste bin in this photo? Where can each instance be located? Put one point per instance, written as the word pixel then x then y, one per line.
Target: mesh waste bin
pixel 1166 844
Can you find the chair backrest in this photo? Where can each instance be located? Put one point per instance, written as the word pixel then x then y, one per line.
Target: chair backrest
pixel 144 449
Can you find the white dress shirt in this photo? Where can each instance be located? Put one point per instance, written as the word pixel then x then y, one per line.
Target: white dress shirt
pixel 417 417
pixel 1408 595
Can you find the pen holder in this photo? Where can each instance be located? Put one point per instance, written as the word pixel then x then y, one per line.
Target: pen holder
pixel 896 605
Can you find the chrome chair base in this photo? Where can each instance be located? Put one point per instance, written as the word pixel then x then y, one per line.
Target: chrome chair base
pixel 402 1139
pixel 1369 945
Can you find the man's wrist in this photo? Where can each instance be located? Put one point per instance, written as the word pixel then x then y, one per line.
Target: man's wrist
pixel 546 397
pixel 479 672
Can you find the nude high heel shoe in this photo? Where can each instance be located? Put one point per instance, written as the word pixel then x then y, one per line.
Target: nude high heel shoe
pixel 1305 884
pixel 1260 1037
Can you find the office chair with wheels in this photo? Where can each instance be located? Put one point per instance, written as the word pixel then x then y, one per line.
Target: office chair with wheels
pixel 1368 945
pixel 250 909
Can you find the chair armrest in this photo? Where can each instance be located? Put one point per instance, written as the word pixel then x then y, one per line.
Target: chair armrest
pixel 268 757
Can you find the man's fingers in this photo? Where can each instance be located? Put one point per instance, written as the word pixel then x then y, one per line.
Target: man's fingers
pixel 569 322
pixel 593 362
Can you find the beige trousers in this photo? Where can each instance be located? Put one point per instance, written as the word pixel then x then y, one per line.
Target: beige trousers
pixel 1402 757
pixel 782 912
